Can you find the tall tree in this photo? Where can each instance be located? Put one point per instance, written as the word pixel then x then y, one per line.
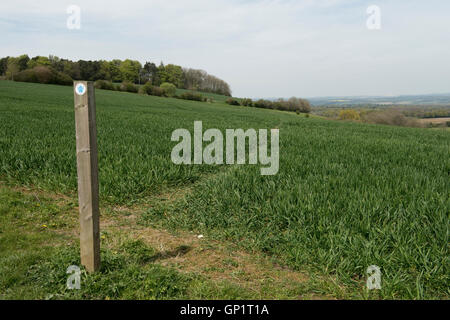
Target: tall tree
pixel 22 62
pixel 171 74
pixel 38 61
pixel 114 69
pixel 3 65
pixel 130 70
pixel 90 70
pixel 72 69
pixel 12 68
pixel 150 73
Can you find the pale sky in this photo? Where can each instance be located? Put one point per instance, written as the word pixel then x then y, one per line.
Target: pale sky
pixel 262 48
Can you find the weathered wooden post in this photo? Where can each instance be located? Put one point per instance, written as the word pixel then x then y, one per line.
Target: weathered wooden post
pixel 87 168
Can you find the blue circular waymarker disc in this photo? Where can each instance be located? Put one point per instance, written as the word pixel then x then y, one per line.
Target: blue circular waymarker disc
pixel 80 89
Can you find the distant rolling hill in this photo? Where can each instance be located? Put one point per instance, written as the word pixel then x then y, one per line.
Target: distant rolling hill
pixel 423 100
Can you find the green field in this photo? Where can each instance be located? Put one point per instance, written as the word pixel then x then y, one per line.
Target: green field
pixel 347 196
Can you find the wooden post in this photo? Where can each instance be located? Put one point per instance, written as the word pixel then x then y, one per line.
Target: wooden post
pixel 87 168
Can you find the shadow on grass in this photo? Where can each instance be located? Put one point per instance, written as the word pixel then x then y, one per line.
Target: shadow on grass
pixel 179 251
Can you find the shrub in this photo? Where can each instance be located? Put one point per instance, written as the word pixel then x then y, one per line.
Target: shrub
pixel 104 85
pixel 448 124
pixel 157 91
pixel 63 79
pixel 265 104
pixel 391 117
pixel 259 103
pixel 26 76
pixel 192 96
pixel 349 114
pixel 146 88
pixel 45 75
pixel 296 104
pixel 233 102
pixel 247 102
pixel 128 87
pixel 169 89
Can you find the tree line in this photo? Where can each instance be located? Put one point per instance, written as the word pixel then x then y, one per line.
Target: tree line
pixel 293 104
pixel 166 89
pixel 53 69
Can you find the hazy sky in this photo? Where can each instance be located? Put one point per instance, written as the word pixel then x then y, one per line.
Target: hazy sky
pixel 262 48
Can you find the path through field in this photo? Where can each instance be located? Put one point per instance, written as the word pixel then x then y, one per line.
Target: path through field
pixel 221 267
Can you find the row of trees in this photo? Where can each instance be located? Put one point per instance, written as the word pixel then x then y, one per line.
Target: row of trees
pixel 165 90
pixel 293 104
pixel 428 112
pixel 118 71
pixel 415 111
pixel 387 116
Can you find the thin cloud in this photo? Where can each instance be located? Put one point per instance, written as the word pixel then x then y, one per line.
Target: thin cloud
pixel 262 48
